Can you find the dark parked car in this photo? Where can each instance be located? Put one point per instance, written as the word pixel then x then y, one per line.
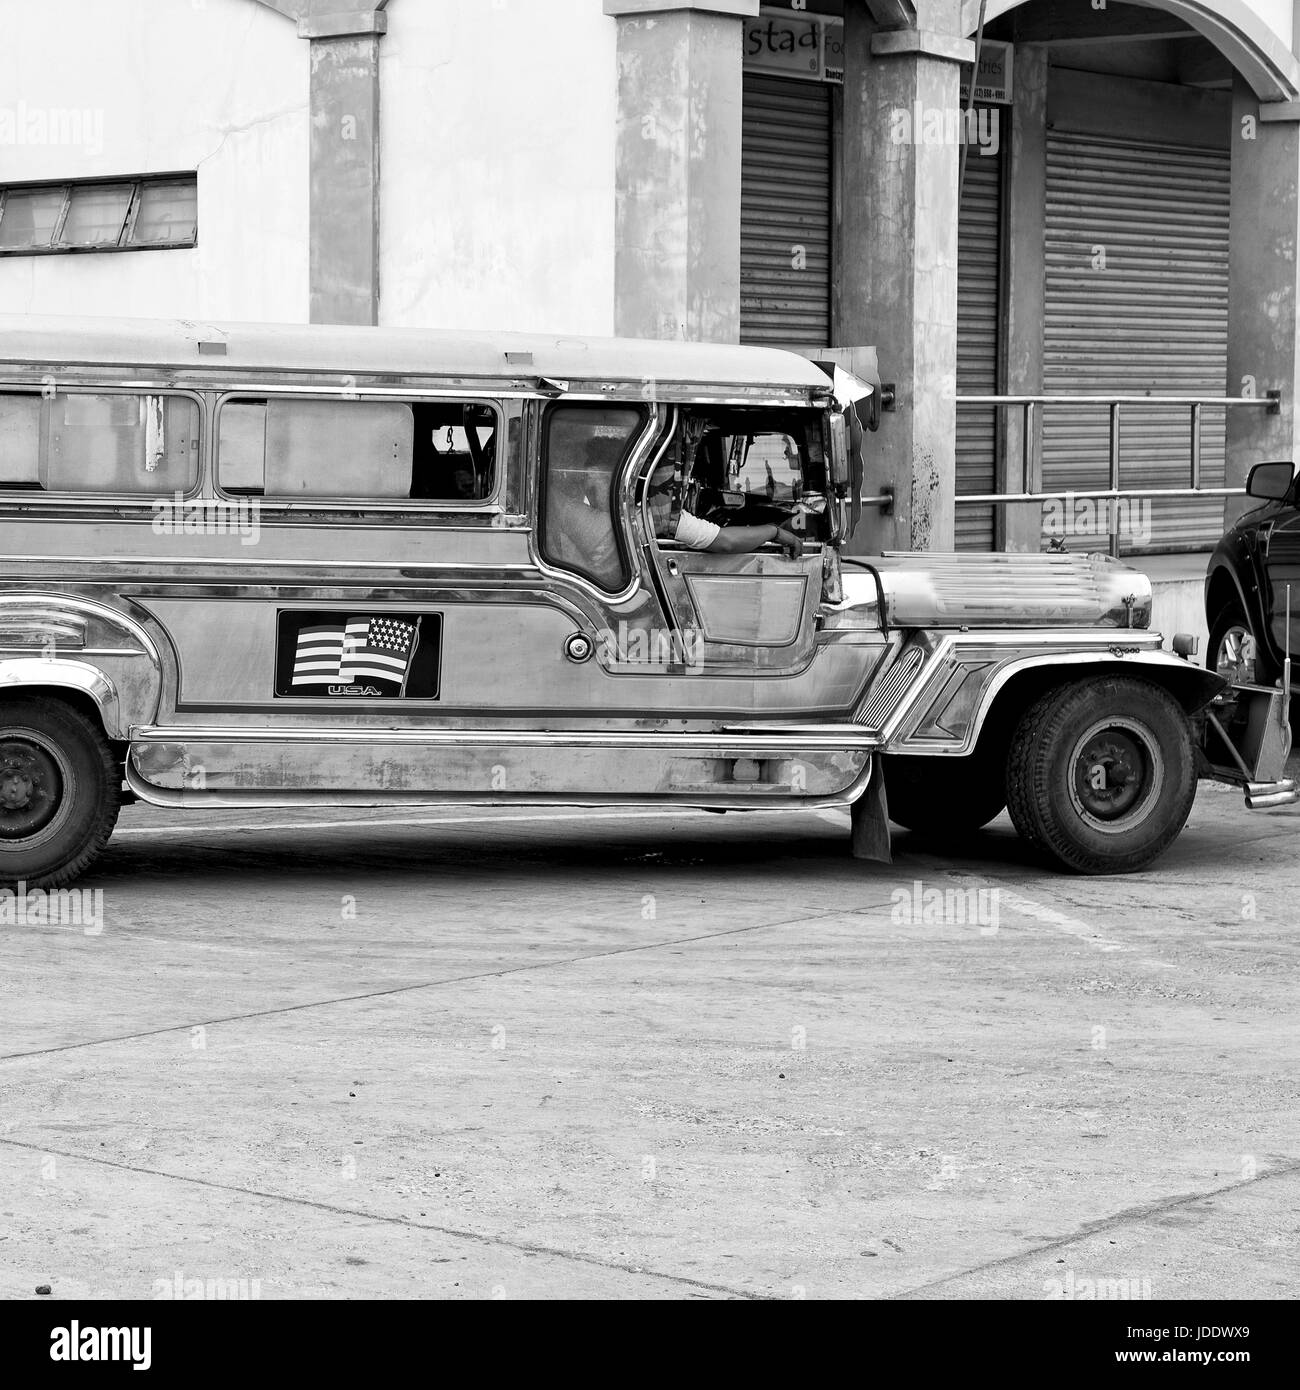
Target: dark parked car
pixel 1246 587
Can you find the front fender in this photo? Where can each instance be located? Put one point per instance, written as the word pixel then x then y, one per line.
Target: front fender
pixel 35 673
pixel 61 641
pixel 969 685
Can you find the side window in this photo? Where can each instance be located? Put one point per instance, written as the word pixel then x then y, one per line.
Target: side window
pixel 291 450
pixel 583 451
pixel 89 442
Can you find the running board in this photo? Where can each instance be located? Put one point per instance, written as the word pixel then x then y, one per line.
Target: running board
pixel 195 799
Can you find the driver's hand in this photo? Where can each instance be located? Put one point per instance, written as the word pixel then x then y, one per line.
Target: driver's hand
pixel 791 542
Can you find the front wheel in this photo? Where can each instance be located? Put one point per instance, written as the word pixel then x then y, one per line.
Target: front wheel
pixel 60 789
pixel 1233 650
pixel 1102 775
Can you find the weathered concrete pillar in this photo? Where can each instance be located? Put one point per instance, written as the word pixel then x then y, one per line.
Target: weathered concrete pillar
pixel 677 233
pixel 899 251
pixel 1264 288
pixel 1022 527
pixel 344 166
pixel 344 199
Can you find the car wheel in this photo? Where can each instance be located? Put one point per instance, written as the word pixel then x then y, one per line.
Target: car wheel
pixel 1233 651
pixel 60 790
pixel 1102 775
pixel 936 796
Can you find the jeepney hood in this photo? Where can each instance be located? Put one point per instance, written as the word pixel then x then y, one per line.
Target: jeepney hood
pixel 1044 590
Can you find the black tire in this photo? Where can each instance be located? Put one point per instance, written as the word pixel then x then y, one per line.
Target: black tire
pixel 60 790
pixel 937 796
pixel 1223 651
pixel 1098 728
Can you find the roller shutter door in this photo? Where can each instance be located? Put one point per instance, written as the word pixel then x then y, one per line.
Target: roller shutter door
pixel 979 279
pixel 1153 321
pixel 785 228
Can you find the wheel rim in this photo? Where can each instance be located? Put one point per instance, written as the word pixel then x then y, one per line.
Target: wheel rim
pixel 1116 775
pixel 36 784
pixel 1235 657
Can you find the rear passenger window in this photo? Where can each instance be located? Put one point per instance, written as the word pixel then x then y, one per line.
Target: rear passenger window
pixel 387 451
pixel 86 442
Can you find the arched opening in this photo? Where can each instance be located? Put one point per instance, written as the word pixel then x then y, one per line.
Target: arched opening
pixel 1114 256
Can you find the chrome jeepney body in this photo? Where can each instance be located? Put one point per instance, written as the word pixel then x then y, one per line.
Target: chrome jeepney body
pixel 675 676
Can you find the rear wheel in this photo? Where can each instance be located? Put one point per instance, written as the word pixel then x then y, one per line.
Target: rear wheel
pixel 934 796
pixel 1102 775
pixel 59 793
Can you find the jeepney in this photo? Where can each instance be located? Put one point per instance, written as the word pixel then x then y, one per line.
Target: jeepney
pixel 254 566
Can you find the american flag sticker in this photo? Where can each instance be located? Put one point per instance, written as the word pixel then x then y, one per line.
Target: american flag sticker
pixel 386 655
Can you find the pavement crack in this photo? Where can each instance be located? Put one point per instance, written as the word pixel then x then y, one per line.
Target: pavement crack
pixel 394 990
pixel 1127 1217
pixel 452 1233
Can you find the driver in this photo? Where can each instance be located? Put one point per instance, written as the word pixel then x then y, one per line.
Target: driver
pixel 697 534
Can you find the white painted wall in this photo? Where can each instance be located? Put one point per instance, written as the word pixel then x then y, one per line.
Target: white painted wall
pixel 498 138
pixel 217 86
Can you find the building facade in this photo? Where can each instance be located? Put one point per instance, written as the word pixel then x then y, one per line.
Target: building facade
pixel 1114 210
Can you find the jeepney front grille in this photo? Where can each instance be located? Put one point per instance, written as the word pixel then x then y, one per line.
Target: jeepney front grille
pixel 881 702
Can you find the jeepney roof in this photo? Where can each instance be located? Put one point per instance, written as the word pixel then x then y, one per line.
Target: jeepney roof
pixel 317 348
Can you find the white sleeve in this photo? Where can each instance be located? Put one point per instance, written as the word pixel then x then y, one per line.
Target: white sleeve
pixel 694 533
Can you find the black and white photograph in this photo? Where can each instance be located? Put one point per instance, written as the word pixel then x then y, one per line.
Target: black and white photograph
pixel 646 655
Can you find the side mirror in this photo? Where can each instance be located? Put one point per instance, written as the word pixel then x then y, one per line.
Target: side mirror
pixel 1270 481
pixel 840 473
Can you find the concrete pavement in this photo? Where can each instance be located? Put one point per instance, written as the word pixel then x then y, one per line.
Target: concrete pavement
pixel 611 1055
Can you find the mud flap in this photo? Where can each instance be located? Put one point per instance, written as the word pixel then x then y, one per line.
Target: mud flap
pixel 870 813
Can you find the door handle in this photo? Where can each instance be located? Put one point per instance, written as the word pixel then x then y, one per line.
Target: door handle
pixel 673 568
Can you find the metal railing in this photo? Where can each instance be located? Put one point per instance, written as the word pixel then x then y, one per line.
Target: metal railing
pixel 1031 446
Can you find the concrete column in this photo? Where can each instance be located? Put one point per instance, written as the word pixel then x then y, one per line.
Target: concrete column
pixel 899 259
pixel 1022 526
pixel 344 172
pixel 1264 288
pixel 677 235
pixel 344 199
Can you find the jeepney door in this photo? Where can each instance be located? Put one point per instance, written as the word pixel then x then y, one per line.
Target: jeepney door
pixel 755 611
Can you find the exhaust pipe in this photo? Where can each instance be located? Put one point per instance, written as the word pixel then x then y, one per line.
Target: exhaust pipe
pixel 1263 796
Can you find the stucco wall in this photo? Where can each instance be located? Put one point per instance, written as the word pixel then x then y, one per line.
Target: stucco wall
pixel 497 132
pixel 220 86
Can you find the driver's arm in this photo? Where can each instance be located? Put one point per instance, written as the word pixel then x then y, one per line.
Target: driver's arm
pixel 740 540
pixel 734 540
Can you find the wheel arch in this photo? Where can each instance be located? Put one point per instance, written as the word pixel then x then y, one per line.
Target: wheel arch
pixel 1223 587
pixel 1191 686
pixel 83 687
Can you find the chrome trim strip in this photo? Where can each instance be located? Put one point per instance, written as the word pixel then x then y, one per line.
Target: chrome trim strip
pixel 834 738
pixel 80 651
pixel 144 561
